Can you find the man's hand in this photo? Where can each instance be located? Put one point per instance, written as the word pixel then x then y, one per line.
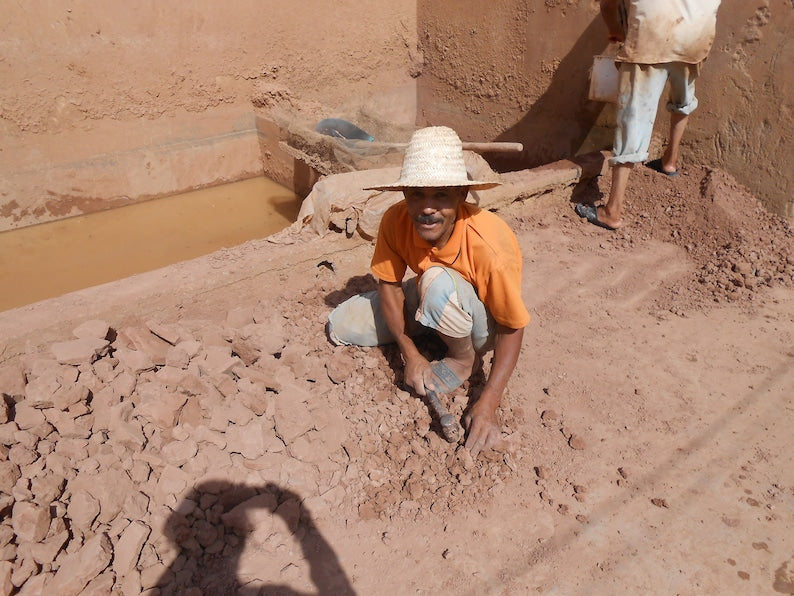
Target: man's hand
pixel 392 301
pixel 483 427
pixel 612 19
pixel 415 371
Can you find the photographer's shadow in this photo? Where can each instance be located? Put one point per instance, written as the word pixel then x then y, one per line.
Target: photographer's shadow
pixel 214 525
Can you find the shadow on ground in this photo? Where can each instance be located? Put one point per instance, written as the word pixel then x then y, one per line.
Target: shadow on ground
pixel 217 521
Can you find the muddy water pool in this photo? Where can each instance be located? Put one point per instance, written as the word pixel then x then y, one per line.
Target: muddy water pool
pixel 51 259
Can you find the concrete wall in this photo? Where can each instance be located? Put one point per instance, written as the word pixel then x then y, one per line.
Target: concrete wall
pixel 518 71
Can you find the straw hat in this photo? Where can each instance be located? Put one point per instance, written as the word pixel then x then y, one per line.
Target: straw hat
pixel 434 158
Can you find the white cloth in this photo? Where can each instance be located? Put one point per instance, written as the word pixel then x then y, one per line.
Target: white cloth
pixel 661 31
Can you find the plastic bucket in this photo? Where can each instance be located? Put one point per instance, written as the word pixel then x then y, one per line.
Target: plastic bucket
pixel 604 79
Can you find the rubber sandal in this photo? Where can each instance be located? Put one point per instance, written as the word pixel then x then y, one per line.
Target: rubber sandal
pixel 590 213
pixel 656 166
pixel 445 379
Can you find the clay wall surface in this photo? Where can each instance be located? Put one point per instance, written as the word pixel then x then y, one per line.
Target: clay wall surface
pixel 104 103
pixel 66 65
pixel 519 71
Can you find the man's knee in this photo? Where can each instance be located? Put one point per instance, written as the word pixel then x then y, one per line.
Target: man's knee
pixel 440 302
pixel 437 286
pixel 357 322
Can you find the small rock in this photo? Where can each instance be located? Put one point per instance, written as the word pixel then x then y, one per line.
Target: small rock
pixel 179 452
pixel 240 317
pixel 165 332
pixel 6 571
pixel 252 515
pixel 44 553
pixel 26 417
pixel 31 522
pixel 83 509
pixel 78 351
pixel 366 511
pixel 23 571
pixel 12 384
pixel 577 442
pixel 95 329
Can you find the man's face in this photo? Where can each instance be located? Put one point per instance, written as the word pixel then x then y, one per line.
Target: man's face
pixel 433 211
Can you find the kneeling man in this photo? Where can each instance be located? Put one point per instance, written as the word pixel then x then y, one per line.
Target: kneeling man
pixel 467 287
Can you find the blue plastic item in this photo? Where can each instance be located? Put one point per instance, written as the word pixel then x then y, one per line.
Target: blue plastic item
pixel 342 129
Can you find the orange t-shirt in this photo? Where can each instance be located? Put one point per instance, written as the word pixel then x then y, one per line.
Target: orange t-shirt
pixel 482 248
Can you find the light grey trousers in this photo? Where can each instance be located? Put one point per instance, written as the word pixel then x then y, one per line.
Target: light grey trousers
pixel 442 301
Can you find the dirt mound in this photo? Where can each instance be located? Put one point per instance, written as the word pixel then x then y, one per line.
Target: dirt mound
pixel 735 245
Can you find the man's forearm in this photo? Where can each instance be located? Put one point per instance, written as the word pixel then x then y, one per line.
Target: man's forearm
pixel 392 301
pixel 507 348
pixel 609 12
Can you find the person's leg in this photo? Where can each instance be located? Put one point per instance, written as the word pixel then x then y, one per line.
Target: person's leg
pixel 612 212
pixel 678 124
pixel 444 302
pixel 639 88
pixel 449 305
pixel 682 103
pixel 359 321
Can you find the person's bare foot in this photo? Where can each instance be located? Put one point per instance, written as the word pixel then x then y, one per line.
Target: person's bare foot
pixel 668 168
pixel 607 219
pixel 598 216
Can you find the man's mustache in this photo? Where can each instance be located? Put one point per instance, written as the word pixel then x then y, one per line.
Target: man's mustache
pixel 427 219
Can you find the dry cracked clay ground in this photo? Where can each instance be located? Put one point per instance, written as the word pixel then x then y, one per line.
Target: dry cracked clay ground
pixel 192 431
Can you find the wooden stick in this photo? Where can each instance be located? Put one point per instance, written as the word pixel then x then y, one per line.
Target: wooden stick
pixel 501 147
pixel 483 147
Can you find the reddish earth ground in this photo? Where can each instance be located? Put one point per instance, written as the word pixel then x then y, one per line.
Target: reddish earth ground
pixel 192 430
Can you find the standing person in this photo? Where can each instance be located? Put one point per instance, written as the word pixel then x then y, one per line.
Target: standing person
pixel 661 40
pixel 468 285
